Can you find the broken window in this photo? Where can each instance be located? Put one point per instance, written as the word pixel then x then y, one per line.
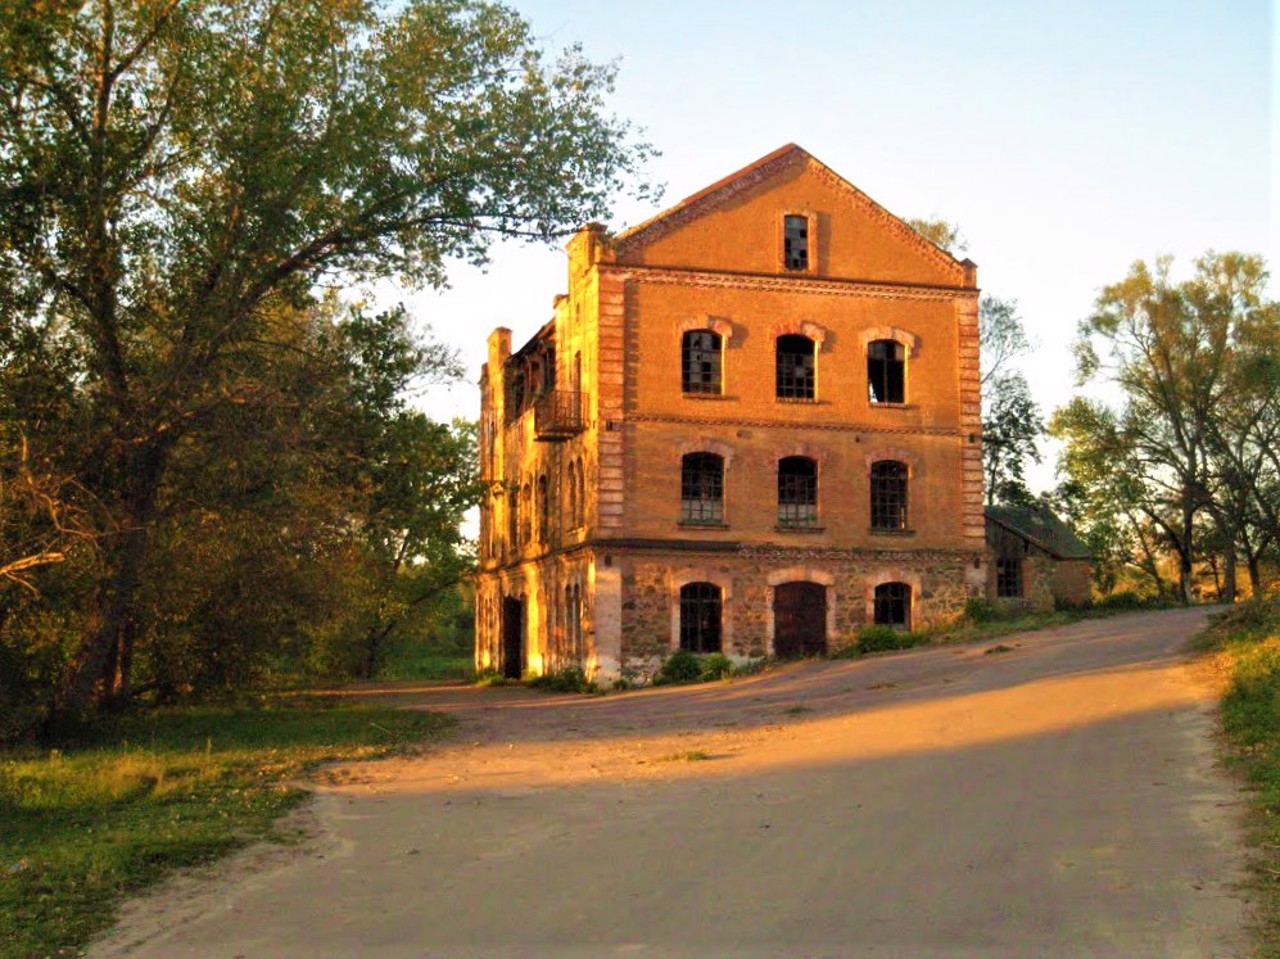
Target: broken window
pixel 700 362
pixel 797 491
pixel 886 371
pixel 1008 576
pixel 700 609
pixel 701 488
pixel 795 242
pixel 893 605
pixel 795 363
pixel 888 495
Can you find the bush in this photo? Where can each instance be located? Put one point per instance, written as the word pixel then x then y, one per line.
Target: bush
pixel 571 679
pixel 716 666
pixel 681 666
pixel 1125 599
pixel 978 609
pixel 878 639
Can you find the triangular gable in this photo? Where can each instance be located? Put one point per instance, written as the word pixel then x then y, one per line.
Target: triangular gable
pixel 1042 528
pixel 789 160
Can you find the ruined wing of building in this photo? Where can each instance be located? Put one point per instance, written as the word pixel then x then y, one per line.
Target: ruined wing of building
pixel 751 426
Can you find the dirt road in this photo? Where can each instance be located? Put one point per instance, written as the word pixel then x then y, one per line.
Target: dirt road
pixel 1058 799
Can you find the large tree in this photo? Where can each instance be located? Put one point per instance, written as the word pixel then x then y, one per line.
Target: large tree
pixel 1192 365
pixel 176 176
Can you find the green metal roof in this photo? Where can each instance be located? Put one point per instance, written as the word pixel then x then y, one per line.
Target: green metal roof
pixel 1038 525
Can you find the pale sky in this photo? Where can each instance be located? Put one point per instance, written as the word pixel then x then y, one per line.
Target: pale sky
pixel 1066 140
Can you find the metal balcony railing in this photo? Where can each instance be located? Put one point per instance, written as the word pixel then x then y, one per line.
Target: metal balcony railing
pixel 557 415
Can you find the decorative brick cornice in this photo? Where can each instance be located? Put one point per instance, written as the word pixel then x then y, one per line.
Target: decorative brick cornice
pixel 768 282
pixel 794 425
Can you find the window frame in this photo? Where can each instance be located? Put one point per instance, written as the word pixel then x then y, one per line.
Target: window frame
pixel 801 260
pixel 888 598
pixel 888 367
pixel 708 381
pixel 788 385
pixel 888 483
pixel 797 493
pixel 1009 573
pixel 697 600
pixel 702 489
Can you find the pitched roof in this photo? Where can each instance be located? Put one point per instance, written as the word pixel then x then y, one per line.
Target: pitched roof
pixel 726 189
pixel 1041 527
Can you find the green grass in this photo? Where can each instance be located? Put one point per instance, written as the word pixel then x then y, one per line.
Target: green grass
pixel 419 663
pixel 84 826
pixel 1246 640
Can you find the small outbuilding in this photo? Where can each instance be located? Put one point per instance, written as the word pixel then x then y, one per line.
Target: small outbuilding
pixel 1036 558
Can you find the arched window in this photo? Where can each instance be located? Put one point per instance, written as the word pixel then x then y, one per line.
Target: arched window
pixel 573 494
pixel 526 516
pixel 700 355
pixel 700 617
pixel 886 371
pixel 701 488
pixel 582 495
pixel 544 510
pixel 893 605
pixel 888 495
pixel 513 520
pixel 797 491
pixel 796 367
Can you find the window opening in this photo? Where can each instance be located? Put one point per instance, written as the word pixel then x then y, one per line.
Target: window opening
pixel 700 609
pixel 1008 576
pixel 886 371
pixel 888 495
pixel 702 488
pixel 797 491
pixel 700 362
pixel 544 510
pixel 795 242
pixel 893 605
pixel 795 367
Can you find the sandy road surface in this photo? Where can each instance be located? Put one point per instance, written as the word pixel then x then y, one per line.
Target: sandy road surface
pixel 1056 800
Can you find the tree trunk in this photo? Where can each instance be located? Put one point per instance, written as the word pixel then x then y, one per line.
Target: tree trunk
pixel 1255 576
pixel 1227 593
pixel 99 668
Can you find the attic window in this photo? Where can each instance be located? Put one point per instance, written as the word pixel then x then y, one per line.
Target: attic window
pixel 795 242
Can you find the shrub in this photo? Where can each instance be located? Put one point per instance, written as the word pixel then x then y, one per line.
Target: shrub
pixel 978 609
pixel 877 639
pixel 1125 599
pixel 716 666
pixel 571 679
pixel 681 666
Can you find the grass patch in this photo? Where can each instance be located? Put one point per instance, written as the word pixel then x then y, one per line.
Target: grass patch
pixel 997 649
pixel 1246 641
pixel 796 710
pixel 688 756
pixel 86 825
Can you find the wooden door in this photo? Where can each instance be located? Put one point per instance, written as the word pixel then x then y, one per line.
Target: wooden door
pixel 799 619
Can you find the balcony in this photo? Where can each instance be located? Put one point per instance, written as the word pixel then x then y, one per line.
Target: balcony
pixel 557 415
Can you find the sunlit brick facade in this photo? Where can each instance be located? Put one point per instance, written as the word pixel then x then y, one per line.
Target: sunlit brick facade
pixel 752 425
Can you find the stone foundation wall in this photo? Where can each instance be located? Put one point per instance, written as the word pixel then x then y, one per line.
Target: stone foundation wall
pixel 941 581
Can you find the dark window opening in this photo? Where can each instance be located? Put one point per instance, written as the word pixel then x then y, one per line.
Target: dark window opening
pixel 702 488
pixel 513 520
pixel 795 367
pixel 888 495
pixel 544 510
pixel 886 372
pixel 893 605
pixel 700 617
pixel 1008 576
pixel 795 242
pixel 700 362
pixel 797 491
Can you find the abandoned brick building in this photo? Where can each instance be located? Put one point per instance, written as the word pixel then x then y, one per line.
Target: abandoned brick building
pixel 751 426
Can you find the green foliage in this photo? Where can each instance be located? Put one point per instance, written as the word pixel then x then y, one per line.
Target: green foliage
pixel 105 818
pixel 1248 637
pixel 213 456
pixel 571 679
pixel 681 666
pixel 979 609
pixel 878 639
pixel 715 666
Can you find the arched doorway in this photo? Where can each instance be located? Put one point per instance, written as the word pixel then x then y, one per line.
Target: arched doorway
pixel 799 619
pixel 512 637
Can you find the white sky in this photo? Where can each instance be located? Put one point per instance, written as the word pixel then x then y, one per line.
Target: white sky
pixel 1066 140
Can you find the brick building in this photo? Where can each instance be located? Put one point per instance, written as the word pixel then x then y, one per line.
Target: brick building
pixel 752 425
